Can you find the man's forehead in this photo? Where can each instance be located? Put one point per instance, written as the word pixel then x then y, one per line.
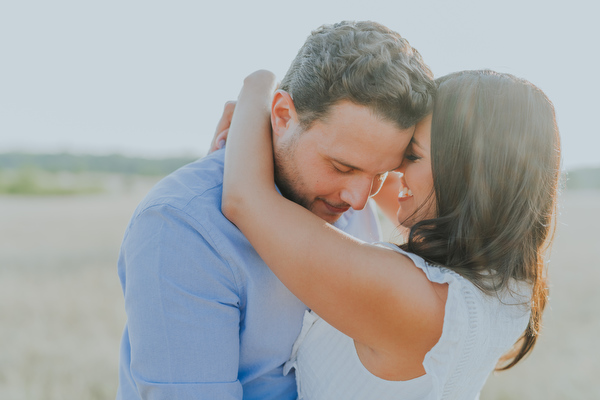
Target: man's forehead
pixel 367 143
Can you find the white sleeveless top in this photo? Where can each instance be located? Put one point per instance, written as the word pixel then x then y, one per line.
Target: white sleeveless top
pixel 478 329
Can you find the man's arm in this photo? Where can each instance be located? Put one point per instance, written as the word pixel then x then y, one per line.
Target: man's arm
pixel 182 309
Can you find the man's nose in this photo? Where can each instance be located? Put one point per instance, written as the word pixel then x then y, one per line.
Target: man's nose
pixel 402 167
pixel 357 192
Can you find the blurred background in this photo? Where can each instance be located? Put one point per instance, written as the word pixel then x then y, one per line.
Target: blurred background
pixel 99 100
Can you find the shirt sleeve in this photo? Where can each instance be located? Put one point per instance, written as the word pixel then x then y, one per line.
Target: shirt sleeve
pixel 182 305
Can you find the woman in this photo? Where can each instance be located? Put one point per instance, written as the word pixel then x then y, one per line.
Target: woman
pixel 429 319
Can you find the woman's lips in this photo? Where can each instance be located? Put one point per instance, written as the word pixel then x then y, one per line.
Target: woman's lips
pixel 405 194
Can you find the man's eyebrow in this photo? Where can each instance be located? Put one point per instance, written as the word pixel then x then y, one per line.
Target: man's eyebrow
pixel 346 164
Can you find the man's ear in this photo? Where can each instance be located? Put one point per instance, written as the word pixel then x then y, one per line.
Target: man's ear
pixel 283 114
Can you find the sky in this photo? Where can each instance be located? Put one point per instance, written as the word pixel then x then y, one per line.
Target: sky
pixel 150 78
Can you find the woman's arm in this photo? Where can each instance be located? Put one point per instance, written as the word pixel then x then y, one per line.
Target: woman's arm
pixel 374 295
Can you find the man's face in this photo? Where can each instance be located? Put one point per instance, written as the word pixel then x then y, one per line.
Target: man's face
pixel 339 162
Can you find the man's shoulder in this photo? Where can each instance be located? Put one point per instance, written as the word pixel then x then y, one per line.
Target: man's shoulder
pixel 195 187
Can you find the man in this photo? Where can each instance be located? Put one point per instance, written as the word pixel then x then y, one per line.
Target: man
pixel 206 318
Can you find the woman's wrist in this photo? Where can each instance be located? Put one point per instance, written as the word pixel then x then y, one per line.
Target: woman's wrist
pixel 260 79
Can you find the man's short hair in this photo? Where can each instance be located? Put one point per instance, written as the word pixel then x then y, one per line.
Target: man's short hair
pixel 362 62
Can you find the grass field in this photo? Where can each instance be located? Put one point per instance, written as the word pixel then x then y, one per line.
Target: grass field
pixel 61 306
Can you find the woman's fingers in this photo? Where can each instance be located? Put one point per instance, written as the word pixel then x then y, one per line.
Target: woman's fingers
pixel 220 139
pixel 223 127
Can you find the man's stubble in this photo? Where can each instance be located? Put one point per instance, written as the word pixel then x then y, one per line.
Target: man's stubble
pixel 287 175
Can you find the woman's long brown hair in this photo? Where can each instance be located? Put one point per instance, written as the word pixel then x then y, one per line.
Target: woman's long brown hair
pixel 495 153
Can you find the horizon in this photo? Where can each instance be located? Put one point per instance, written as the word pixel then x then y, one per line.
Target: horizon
pixel 183 156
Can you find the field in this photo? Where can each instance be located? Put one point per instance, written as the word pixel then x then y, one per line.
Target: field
pixel 61 306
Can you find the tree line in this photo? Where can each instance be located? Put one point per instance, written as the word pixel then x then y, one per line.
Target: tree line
pixel 114 163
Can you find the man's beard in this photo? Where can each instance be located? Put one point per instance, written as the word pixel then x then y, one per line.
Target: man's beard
pixel 287 177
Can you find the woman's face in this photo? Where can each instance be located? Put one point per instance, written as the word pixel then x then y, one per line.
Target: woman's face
pixel 416 198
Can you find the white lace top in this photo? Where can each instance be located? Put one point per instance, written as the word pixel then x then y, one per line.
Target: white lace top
pixel 478 329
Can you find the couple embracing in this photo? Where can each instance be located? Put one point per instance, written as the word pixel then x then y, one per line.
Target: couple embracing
pixel 258 272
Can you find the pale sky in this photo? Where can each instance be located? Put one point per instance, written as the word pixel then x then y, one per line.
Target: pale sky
pixel 150 78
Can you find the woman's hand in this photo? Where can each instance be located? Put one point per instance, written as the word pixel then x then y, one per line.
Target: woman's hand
pixel 223 127
pixel 260 77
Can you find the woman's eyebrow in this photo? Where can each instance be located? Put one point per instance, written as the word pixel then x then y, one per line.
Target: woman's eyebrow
pixel 415 141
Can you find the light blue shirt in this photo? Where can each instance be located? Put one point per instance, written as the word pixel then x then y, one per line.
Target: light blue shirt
pixel 206 318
